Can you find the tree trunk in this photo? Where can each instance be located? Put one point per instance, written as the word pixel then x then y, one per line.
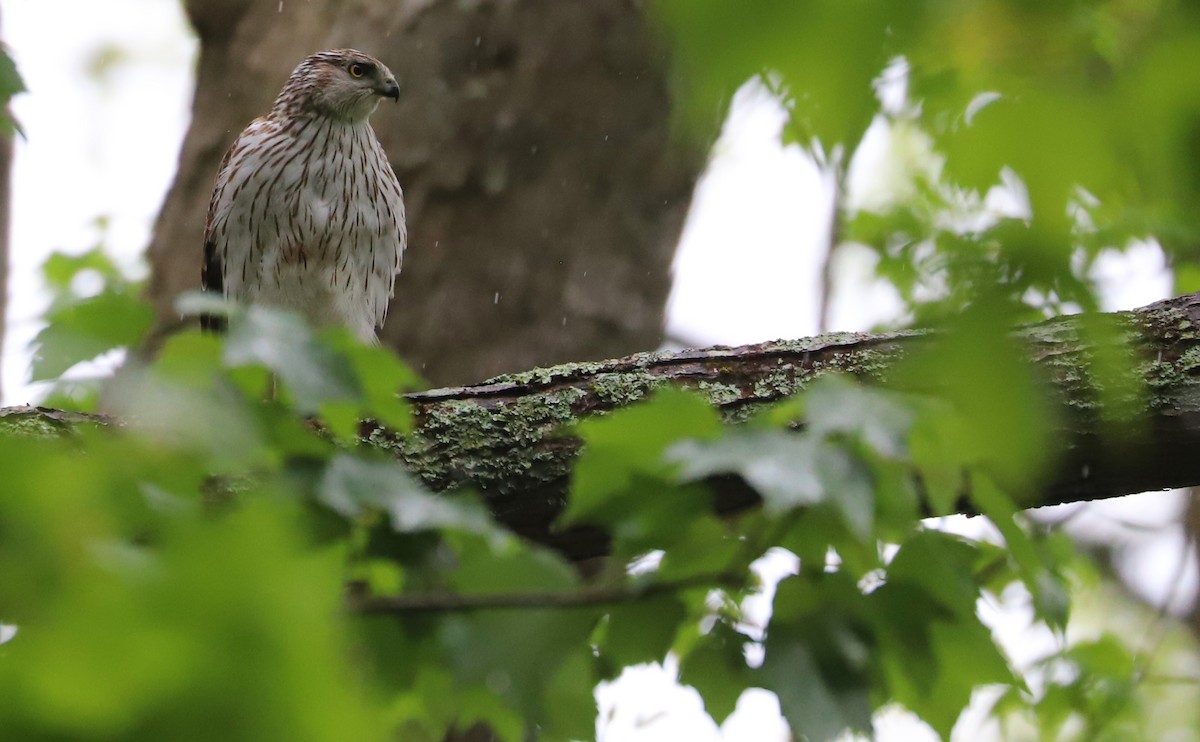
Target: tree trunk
pixel 505 438
pixel 545 196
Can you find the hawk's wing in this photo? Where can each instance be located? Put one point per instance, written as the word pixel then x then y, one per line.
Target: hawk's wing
pixel 393 233
pixel 231 178
pixel 212 270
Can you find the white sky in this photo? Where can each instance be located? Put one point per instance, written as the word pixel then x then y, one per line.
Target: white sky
pixel 745 270
pixel 95 147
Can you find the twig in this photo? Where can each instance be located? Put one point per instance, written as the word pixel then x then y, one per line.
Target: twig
pixel 836 173
pixel 459 602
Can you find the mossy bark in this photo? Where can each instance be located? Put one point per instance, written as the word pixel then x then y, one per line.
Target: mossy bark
pixel 510 439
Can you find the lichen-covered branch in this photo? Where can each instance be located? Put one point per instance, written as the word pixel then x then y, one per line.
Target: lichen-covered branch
pixel 509 438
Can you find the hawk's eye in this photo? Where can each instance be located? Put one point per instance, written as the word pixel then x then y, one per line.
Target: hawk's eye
pixel 357 70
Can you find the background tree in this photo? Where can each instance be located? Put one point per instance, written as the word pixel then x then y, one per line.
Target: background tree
pixel 533 140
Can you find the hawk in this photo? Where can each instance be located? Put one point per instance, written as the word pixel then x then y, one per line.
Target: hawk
pixel 306 213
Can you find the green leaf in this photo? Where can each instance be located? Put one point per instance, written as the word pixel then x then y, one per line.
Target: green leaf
pixel 789 470
pixel 641 631
pixel 1106 656
pixel 826 52
pixel 941 456
pixel 716 668
pixel 353 486
pixel 284 343
pixel 629 443
pixel 87 329
pixel 60 269
pixel 819 703
pixel 382 378
pixel 983 373
pixel 497 566
pixel 941 564
pixel 933 649
pixel 1050 599
pixel 141 642
pixel 819 652
pixel 569 698
pixel 10 85
pixel 514 653
pixel 704 546
pixel 880 419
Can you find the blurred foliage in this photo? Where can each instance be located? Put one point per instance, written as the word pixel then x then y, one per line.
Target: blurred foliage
pixel 94 308
pixel 186 576
pixel 1018 140
pixel 197 573
pixel 10 84
pixel 1086 110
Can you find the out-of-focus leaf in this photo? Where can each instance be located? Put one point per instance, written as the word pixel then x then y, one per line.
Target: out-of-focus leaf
pixel 282 342
pixel 985 376
pixel 934 650
pixel 382 378
pixel 717 669
pixel 1105 656
pixel 943 565
pixel 515 653
pixel 87 329
pixel 10 85
pixel 789 470
pixel 820 632
pixel 641 631
pixel 569 697
pixel 351 486
pixel 825 52
pixel 836 405
pixel 60 269
pixel 629 444
pixel 705 546
pixel 1050 599
pixel 140 642
pixel 199 303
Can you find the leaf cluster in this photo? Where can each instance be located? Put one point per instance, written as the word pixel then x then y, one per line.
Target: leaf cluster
pixel 235 561
pixel 1079 115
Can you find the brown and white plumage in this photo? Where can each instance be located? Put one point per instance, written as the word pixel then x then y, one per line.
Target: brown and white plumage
pixel 306 213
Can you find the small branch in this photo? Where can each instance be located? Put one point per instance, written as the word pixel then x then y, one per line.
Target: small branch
pixel 593 597
pixel 836 173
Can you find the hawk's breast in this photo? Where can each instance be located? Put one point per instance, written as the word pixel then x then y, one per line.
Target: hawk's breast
pixel 311 218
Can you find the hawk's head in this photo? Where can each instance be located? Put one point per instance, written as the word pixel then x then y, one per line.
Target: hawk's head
pixel 343 83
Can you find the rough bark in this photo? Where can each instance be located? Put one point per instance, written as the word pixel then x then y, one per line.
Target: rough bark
pixel 504 438
pixel 545 196
pixel 507 438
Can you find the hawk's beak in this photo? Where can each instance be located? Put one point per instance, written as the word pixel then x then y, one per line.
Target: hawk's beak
pixel 389 89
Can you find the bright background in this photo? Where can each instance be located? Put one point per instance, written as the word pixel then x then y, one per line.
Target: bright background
pixel 107 108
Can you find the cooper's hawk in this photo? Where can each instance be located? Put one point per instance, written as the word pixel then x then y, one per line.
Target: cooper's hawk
pixel 306 213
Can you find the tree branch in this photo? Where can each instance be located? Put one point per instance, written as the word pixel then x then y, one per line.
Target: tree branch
pixel 360 601
pixel 509 439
